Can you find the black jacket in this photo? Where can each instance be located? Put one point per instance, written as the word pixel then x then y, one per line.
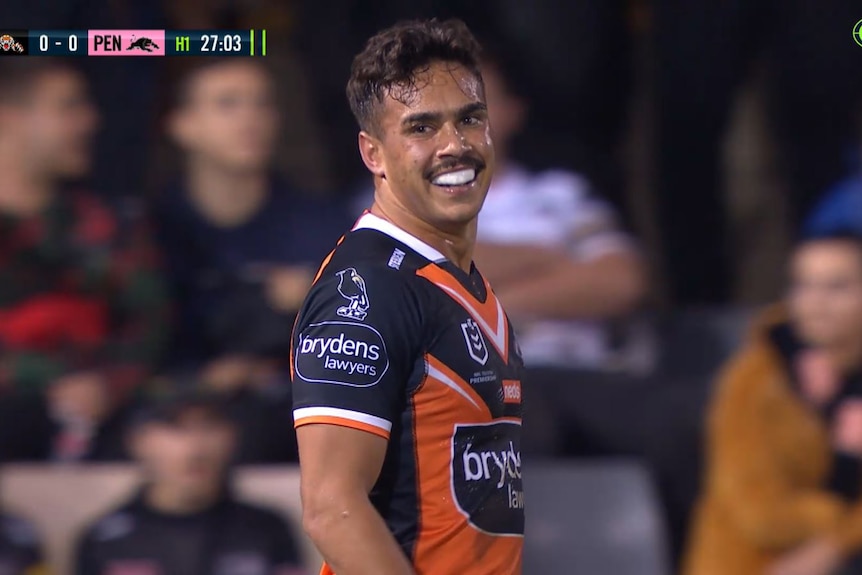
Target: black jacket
pixel 20 549
pixel 230 538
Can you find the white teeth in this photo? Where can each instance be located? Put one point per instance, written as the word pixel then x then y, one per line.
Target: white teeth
pixel 458 178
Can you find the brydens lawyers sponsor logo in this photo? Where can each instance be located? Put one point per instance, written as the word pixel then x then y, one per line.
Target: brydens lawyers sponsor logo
pixel 486 476
pixel 342 353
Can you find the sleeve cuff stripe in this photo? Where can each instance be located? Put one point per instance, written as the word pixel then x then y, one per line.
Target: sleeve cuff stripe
pixel 347 417
pixel 323 419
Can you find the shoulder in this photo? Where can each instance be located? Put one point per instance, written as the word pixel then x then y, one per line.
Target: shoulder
pixel 19 531
pixel 112 526
pixel 751 376
pixel 95 221
pixel 369 265
pixel 562 184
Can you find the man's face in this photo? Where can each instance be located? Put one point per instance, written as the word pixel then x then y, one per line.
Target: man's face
pixel 436 153
pixel 826 293
pixel 190 455
pixel 53 126
pixel 230 117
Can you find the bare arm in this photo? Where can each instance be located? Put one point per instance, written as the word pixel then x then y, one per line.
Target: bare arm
pixel 339 466
pixel 605 287
pixel 505 265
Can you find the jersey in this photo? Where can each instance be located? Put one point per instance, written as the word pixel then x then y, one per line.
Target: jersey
pixel 395 340
pixel 229 538
pixel 20 547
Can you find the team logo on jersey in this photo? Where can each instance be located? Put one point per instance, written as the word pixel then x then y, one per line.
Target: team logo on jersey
pixel 486 476
pixel 475 341
pixel 351 286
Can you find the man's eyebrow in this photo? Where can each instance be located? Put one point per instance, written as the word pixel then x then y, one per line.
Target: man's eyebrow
pixel 433 117
pixel 472 109
pixel 422 118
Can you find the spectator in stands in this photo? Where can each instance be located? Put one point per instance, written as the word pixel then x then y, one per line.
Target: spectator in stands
pixel 20 547
pixel 186 519
pixel 566 272
pixel 82 309
pixel 782 491
pixel 241 246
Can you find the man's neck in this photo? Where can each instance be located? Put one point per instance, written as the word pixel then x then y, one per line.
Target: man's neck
pixel 163 499
pixel 456 245
pixel 227 198
pixel 22 194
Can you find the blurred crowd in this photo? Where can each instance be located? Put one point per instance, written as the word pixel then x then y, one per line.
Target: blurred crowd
pixel 162 219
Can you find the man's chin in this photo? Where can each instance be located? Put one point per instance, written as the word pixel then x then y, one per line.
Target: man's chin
pixel 77 170
pixel 247 162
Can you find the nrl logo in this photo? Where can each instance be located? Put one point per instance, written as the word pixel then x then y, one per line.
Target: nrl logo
pixel 475 342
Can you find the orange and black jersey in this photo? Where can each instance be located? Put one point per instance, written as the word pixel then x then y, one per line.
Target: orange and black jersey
pixel 395 340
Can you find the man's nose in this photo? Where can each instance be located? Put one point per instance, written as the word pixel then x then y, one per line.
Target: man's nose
pixel 452 140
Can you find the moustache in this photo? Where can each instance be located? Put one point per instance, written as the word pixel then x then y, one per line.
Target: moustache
pixel 466 161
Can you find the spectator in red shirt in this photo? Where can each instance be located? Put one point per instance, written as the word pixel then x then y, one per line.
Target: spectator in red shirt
pixel 82 310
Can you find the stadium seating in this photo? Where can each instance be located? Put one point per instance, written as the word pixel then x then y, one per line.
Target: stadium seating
pixel 593 518
pixel 62 500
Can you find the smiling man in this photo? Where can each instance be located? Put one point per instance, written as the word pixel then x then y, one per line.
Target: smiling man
pixel 406 375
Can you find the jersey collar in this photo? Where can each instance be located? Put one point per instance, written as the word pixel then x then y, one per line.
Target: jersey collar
pixel 369 221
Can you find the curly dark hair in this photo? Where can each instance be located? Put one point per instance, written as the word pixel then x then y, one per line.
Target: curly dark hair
pixel 391 61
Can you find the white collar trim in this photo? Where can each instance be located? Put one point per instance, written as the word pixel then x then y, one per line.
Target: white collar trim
pixel 371 222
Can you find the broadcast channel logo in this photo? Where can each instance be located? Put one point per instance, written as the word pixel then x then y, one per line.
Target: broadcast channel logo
pixel 857 32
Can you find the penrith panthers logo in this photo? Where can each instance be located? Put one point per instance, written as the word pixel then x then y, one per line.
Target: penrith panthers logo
pixel 475 341
pixel 351 286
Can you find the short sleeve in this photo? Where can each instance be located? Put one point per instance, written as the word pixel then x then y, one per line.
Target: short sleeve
pixel 355 344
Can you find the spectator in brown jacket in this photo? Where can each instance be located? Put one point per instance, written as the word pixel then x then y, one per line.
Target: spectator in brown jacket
pixel 782 489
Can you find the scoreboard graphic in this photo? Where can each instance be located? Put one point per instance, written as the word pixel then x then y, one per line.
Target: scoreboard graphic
pixel 132 43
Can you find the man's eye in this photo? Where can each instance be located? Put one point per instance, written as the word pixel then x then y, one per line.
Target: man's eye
pixel 421 129
pixel 471 120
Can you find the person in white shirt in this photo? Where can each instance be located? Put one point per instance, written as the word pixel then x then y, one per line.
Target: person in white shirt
pixel 568 275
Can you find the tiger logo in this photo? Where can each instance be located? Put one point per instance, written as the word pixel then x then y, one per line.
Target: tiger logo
pixel 8 44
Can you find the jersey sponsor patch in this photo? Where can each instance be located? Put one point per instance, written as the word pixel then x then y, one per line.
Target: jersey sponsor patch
pixel 475 342
pixel 340 352
pixel 511 391
pixel 486 476
pixel 351 286
pixel 396 258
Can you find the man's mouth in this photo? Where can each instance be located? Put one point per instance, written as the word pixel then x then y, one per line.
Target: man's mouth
pixel 460 177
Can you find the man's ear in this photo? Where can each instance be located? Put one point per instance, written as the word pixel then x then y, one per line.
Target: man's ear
pixel 372 154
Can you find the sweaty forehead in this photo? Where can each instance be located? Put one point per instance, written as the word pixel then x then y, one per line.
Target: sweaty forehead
pixel 442 88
